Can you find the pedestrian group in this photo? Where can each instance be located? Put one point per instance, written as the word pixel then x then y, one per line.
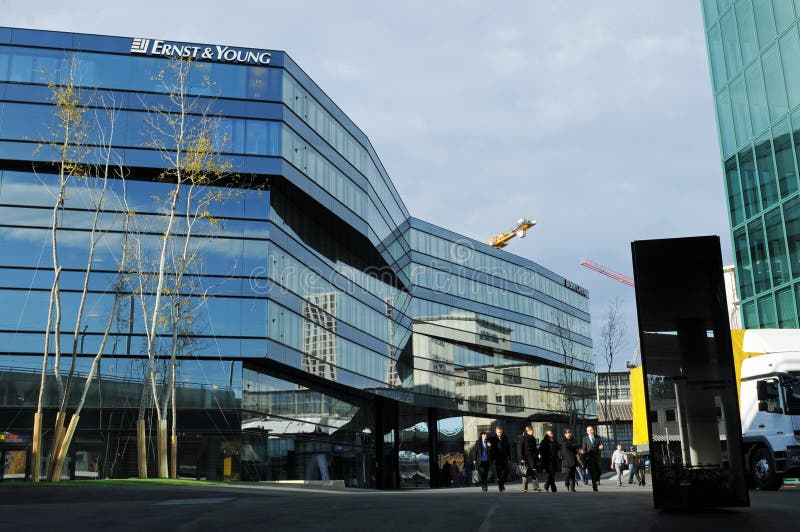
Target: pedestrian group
pixel 580 462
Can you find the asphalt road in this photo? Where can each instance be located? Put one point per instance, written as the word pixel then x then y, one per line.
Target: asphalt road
pixel 153 508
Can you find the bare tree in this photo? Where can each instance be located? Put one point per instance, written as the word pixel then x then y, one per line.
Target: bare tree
pixel 612 339
pixel 566 347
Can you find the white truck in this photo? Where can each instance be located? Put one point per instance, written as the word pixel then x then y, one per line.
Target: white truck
pixel 770 406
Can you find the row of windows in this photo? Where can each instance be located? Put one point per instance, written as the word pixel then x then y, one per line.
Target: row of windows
pixel 778 310
pixel 139 129
pixel 477 290
pixel 741 32
pixel 759 176
pixel 313 114
pixel 464 254
pixel 524 334
pixel 767 249
pixel 136 73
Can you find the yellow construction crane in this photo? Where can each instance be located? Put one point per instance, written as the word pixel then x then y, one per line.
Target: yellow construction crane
pixel 501 240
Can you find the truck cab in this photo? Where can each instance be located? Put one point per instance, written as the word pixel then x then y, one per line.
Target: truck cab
pixel 770 410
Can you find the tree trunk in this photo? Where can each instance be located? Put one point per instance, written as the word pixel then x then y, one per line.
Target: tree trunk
pixel 36 448
pixel 163 469
pixel 64 448
pixel 141 447
pixel 58 437
pixel 173 465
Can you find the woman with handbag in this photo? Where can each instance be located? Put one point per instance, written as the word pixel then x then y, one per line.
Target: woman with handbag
pixel 529 462
pixel 482 457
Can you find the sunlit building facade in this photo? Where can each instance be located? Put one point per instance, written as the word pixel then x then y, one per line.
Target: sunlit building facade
pixel 754 54
pixel 330 336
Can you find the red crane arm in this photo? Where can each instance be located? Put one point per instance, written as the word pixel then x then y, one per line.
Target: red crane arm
pixel 609 273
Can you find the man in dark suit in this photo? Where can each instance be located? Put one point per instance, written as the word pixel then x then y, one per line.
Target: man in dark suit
pixel 591 448
pixel 501 453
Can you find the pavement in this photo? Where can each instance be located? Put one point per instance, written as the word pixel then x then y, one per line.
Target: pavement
pixel 261 507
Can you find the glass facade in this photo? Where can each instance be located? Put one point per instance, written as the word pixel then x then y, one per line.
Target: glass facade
pixel 754 55
pixel 320 332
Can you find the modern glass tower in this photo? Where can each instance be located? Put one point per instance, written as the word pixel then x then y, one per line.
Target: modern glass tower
pixel 754 54
pixel 321 333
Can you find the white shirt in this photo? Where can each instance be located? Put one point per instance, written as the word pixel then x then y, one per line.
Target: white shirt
pixel 618 457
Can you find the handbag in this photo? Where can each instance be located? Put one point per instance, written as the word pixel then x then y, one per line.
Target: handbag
pixel 476 476
pixel 522 470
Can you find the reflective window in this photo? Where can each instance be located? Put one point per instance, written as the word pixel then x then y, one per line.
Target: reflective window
pixel 726 128
pixel 741 112
pixel 757 96
pixel 747 30
pixel 790 57
pixel 784 159
pixel 768 185
pixel 730 43
pixel 787 314
pixel 765 23
pixel 749 183
pixel 773 78
pixel 784 13
pixel 717 57
pixel 791 215
pixel 766 313
pixel 734 192
pixel 758 255
pixel 743 270
pixel 777 247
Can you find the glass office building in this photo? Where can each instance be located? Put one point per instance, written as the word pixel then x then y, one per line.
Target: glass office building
pixel 321 332
pixel 754 53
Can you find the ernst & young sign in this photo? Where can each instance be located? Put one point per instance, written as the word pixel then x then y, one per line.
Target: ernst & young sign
pixel 224 54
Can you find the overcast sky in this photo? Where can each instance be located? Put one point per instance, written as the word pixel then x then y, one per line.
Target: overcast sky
pixel 595 118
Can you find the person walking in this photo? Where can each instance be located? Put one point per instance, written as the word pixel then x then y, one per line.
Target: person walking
pixel 529 454
pixel 591 450
pixel 482 458
pixel 548 451
pixel 619 462
pixel 569 458
pixel 631 458
pixel 500 455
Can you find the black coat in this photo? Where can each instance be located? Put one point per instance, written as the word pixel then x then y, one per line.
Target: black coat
pixel 529 450
pixel 592 452
pixel 548 450
pixel 569 452
pixel 501 448
pixel 476 452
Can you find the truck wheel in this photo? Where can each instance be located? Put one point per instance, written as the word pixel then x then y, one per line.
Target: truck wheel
pixel 762 469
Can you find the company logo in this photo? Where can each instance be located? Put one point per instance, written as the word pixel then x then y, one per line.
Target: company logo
pixel 224 54
pixel 140 46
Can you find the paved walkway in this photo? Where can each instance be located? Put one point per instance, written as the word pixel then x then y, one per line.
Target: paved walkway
pixel 259 507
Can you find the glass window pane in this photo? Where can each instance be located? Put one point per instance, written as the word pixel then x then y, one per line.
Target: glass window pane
pixel 710 10
pixel 717 57
pixel 787 314
pixel 730 44
pixel 790 57
pixel 734 192
pixel 741 113
pixel 750 315
pixel 747 30
pixel 784 158
pixel 726 127
pixel 791 215
pixel 758 255
pixel 766 313
pixel 765 23
pixel 768 185
pixel 757 97
pixel 784 13
pixel 743 269
pixel 777 247
pixel 773 79
pixel 752 202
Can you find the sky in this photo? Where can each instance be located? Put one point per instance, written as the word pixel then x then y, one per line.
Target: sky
pixel 594 118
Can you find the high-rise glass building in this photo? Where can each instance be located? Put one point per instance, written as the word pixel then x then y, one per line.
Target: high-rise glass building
pixel 754 54
pixel 320 332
